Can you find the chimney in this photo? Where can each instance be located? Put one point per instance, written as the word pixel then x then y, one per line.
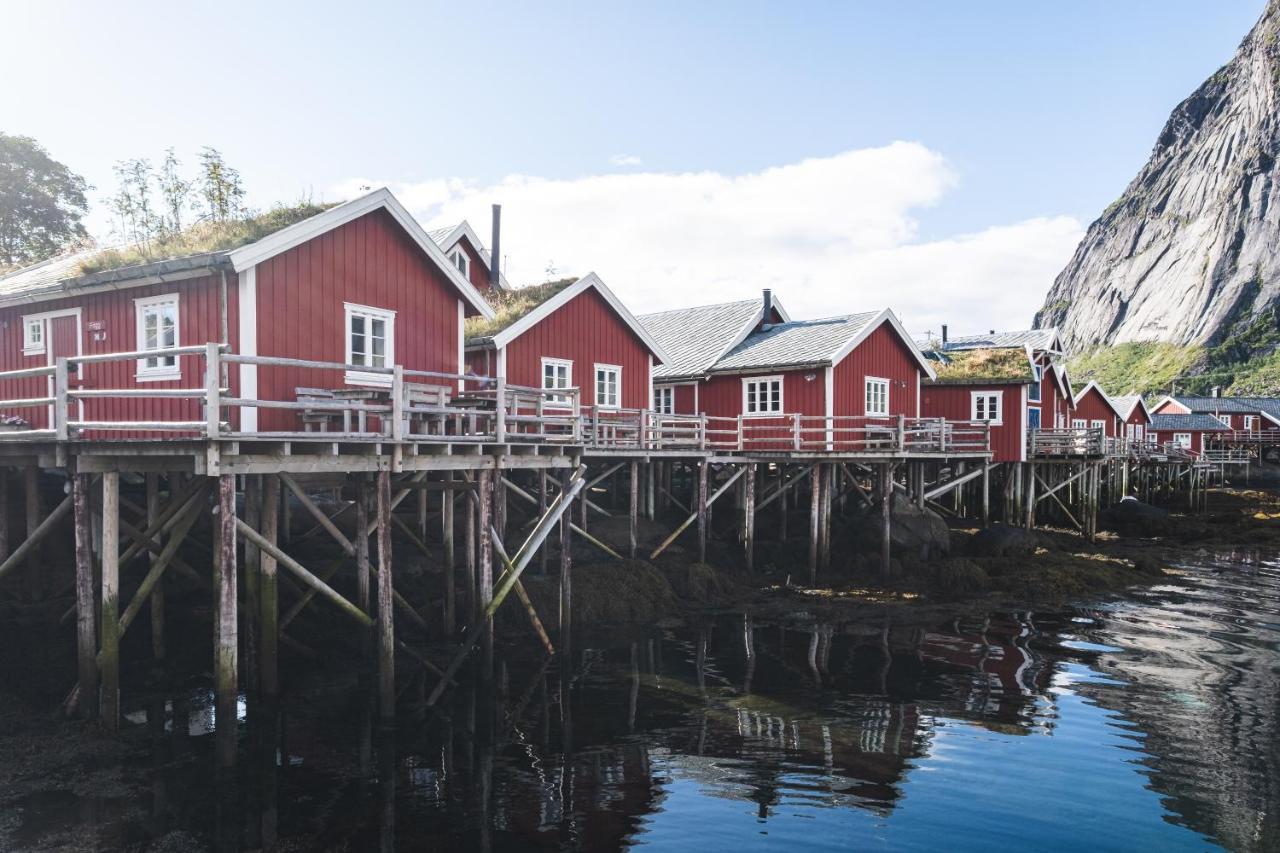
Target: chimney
pixel 944 334
pixel 767 322
pixel 495 258
pixel 1215 391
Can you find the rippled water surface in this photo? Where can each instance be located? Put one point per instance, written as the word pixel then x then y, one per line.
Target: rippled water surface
pixel 1148 723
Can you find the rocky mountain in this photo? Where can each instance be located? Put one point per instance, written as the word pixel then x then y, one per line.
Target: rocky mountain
pixel 1190 253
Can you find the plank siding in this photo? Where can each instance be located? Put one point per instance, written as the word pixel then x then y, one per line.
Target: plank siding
pixel 1092 407
pixel 955 403
pixel 368 261
pixel 882 354
pixel 721 397
pixel 114 313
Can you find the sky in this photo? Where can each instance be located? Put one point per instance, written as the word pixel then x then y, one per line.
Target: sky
pixel 939 158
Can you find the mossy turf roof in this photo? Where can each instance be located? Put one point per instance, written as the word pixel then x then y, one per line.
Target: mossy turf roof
pixel 975 366
pixel 509 306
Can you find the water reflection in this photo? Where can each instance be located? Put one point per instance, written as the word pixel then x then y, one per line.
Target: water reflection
pixel 1148 723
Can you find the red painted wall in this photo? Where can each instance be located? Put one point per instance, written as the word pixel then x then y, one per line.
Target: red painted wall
pixel 954 402
pixel 586 331
pixel 199 322
pixel 1197 438
pixel 368 261
pixel 686 399
pixel 721 397
pixel 882 354
pixel 1092 407
pixel 1055 407
pixel 477 270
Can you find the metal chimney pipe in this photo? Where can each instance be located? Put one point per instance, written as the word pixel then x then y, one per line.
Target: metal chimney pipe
pixel 1216 391
pixel 767 313
pixel 495 258
pixel 944 334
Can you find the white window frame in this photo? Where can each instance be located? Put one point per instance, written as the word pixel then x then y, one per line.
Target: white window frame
pixel 1225 420
pixel 465 266
pixel 1079 423
pixel 31 346
pixel 568 377
pixel 157 372
pixel 867 383
pixel 989 396
pixel 1250 423
pixel 1098 423
pixel 664 399
pixel 355 376
pixel 771 410
pixel 616 370
pixel 1182 439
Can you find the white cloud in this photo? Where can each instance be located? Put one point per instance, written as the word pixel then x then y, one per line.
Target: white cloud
pixel 831 235
pixel 626 160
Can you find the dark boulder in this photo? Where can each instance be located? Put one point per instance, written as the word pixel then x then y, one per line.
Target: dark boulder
pixel 1003 540
pixel 913 532
pixel 1134 518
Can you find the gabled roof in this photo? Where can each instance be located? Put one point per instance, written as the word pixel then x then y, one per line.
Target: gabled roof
pixel 696 338
pixel 1127 404
pixel 60 276
pixel 545 309
pixel 380 199
pixel 1196 422
pixel 1037 339
pixel 812 343
pixel 1063 381
pixel 447 238
pixel 1240 405
pixel 1094 386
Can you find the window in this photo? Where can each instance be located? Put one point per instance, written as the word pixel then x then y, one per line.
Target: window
pixel 1033 393
pixel 608 386
pixel 1079 423
pixel 370 343
pixel 986 406
pixel 1250 423
pixel 157 319
pixel 1139 432
pixel 1182 439
pixel 877 396
pixel 762 396
pixel 664 400
pixel 1033 419
pixel 460 260
pixel 1102 425
pixel 1225 420
pixel 557 373
pixel 32 336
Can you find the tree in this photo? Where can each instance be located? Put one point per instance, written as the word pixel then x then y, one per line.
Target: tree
pixel 42 202
pixel 220 186
pixel 136 217
pixel 174 193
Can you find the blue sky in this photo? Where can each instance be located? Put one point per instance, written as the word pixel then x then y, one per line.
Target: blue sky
pixel 1039 111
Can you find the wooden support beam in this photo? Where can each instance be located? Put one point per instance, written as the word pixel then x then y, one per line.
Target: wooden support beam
pixel 109 617
pixel 521 592
pixel 522 494
pixel 4 513
pixel 225 647
pixel 886 518
pixel 303 574
pixel 566 563
pixel 815 529
pixel 939 491
pixel 704 470
pixel 34 538
pixel 450 564
pixel 484 579
pixel 692 518
pixel 166 558
pixel 386 619
pixel 269 594
pixel 86 635
pixel 31 491
pixel 783 488
pixel 157 594
pixel 634 508
pixel 252 490
pixel 749 517
pixel 364 598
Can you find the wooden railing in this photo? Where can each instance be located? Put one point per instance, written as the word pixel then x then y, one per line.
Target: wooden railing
pixel 847 434
pixel 1245 436
pixel 1067 442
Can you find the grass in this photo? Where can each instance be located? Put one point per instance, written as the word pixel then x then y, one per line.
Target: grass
pixel 204 237
pixel 510 306
pixel 992 365
pixel 1147 367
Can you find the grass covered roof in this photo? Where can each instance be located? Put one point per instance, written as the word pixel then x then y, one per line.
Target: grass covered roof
pixel 202 238
pixel 509 306
pixel 968 367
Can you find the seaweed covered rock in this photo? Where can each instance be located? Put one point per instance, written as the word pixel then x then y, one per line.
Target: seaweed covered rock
pixel 1003 540
pixel 1134 518
pixel 913 532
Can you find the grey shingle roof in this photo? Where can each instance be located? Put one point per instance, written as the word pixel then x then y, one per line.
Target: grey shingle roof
pixel 1038 339
pixel 696 337
pixel 55 277
pixel 1186 423
pixel 1126 404
pixel 795 344
pixel 439 235
pixel 43 275
pixel 1227 404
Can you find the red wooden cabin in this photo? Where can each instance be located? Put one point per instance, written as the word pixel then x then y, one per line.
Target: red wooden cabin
pixel 360 283
pixel 1093 409
pixel 1136 417
pixel 579 335
pixel 1249 414
pixel 464 250
pixel 695 339
pixel 1187 431
pixel 988 386
pixel 1049 399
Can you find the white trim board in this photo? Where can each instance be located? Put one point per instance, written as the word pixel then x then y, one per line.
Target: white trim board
pixel 247 343
pixel 874 323
pixel 380 199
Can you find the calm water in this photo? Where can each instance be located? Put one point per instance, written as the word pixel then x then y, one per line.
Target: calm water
pixel 1148 724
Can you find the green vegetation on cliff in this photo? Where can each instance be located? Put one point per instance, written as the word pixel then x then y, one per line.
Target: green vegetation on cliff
pixel 1148 367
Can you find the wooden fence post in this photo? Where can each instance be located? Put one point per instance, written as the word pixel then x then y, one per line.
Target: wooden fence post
pixel 86 636
pixel 212 391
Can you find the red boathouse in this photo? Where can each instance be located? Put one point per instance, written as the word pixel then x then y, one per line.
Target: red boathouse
pixel 987 386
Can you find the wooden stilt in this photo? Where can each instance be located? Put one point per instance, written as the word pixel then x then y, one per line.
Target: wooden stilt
pixel 886 517
pixel 1030 506
pixel 450 567
pixel 386 609
pixel 363 591
pixel 566 569
pixel 703 474
pixel 828 484
pixel 986 494
pixel 484 487
pixel 542 508
pixel 650 492
pixel 225 648
pixel 109 624
pixel 815 509
pixel 469 542
pixel 269 593
pixel 4 513
pixel 157 593
pixel 86 637
pixel 31 489
pixel 252 581
pixel 784 506
pixel 749 516
pixel 634 484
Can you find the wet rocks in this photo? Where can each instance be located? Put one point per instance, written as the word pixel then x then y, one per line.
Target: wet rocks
pixel 1134 518
pixel 914 533
pixel 1003 540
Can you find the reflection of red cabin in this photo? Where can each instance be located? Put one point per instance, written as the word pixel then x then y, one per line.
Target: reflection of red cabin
pixel 581 336
pixel 1093 409
pixel 468 255
pixel 364 266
